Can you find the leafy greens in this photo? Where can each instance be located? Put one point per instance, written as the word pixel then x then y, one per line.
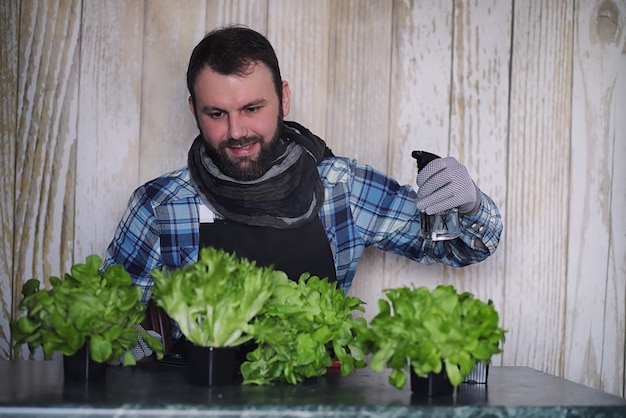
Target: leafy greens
pixel 427 329
pixel 299 330
pixel 86 305
pixel 215 299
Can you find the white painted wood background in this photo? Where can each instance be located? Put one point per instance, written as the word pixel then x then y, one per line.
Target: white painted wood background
pixel 530 95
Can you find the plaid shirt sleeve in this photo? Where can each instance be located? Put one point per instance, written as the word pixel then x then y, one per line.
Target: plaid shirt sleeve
pixel 364 207
pixel 159 229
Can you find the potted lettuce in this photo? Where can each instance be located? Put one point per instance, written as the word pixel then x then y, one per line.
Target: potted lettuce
pixel 214 302
pixel 438 335
pixel 302 329
pixel 89 315
pixel 253 324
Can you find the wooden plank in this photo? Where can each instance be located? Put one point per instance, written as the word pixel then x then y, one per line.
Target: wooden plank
pixel 107 163
pixel 479 124
pixel 614 346
pixel 46 140
pixel 358 98
pixel 172 30
pixel 299 32
pixel 615 338
pixel 420 109
pixel 538 185
pixel 594 337
pixel 252 13
pixel 357 112
pixel 614 373
pixel 9 15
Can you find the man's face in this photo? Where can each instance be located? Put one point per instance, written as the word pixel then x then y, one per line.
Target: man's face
pixel 238 117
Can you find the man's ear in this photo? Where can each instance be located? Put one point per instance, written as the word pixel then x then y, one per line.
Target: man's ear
pixel 286 98
pixel 193 112
pixel 192 107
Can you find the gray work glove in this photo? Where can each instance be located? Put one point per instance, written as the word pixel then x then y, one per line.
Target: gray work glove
pixel 140 351
pixel 445 184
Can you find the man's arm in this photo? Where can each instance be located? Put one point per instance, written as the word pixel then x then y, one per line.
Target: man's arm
pixel 387 217
pixel 136 243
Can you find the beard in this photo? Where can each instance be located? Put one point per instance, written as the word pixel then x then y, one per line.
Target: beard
pixel 247 168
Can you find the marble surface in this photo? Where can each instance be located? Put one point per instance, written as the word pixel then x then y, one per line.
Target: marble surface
pixel 37 389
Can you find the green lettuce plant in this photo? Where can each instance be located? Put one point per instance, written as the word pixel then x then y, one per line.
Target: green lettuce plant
pixel 215 299
pixel 86 306
pixel 427 330
pixel 301 328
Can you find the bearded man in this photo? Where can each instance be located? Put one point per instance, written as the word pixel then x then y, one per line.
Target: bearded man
pixel 273 192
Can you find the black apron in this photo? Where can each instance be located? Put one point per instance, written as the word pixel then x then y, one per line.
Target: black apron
pixel 294 251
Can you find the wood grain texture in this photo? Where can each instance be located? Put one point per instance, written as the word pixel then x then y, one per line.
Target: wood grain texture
pixel 9 15
pixel 107 166
pixel 46 140
pixel 595 311
pixel 360 54
pixel 299 32
pixel 252 13
pixel 420 83
pixel 172 29
pixel 614 381
pixel 479 124
pixel 538 185
pixel 358 104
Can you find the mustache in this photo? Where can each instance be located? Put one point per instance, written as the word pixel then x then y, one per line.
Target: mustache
pixel 241 142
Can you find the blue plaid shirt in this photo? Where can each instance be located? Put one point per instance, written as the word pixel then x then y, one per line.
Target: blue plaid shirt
pixel 362 207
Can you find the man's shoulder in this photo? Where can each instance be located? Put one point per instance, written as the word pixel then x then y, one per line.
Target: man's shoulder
pixel 170 186
pixel 335 170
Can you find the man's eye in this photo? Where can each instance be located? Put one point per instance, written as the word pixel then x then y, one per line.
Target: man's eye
pixel 252 109
pixel 216 115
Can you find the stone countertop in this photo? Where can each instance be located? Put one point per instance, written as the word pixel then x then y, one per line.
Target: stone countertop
pixel 37 389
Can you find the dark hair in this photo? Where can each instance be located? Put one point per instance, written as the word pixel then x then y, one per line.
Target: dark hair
pixel 231 50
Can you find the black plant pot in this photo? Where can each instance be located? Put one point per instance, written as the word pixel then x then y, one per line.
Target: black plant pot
pixel 80 366
pixel 213 366
pixel 435 384
pixel 479 374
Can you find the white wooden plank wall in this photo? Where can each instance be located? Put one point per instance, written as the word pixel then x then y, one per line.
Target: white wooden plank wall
pixel 9 17
pixel 538 161
pixel 531 96
pixel 596 266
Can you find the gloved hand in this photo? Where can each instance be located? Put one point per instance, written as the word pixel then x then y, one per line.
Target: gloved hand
pixel 445 184
pixel 140 351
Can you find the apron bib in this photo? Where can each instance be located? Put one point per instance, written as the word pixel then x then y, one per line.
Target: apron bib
pixel 294 251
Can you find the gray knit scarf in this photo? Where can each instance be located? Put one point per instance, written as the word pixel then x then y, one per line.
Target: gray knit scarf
pixel 288 195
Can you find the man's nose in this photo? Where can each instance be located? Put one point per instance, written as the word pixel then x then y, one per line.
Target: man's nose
pixel 236 127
